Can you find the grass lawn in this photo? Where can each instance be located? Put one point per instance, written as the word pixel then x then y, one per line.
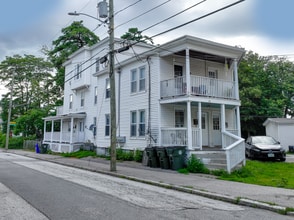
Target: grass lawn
pixel 266 173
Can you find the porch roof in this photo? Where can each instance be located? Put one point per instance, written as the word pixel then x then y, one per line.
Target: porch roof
pixel 66 116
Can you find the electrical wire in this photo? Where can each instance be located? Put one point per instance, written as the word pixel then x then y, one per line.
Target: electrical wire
pixel 127 7
pixel 199 18
pixel 186 9
pixel 146 12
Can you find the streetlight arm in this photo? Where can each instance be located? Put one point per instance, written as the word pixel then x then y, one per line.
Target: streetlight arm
pixel 78 13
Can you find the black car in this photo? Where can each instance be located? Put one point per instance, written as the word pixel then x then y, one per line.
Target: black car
pixel 264 147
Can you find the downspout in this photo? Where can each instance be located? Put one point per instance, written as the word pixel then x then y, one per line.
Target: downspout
pixel 149 101
pixel 118 101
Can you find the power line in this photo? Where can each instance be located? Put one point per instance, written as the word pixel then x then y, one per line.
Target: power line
pixel 199 18
pixel 140 15
pixel 174 15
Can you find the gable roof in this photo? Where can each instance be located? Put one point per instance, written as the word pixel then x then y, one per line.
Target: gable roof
pixel 279 121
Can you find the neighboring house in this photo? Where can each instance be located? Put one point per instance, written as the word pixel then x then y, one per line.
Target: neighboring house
pixel 281 129
pixel 182 93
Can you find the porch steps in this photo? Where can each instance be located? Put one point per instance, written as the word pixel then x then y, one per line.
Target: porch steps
pixel 213 160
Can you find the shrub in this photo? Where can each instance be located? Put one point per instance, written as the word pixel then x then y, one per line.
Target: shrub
pixel 124 155
pixel 138 156
pixel 195 165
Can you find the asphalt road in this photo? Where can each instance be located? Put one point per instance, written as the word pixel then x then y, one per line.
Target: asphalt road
pixel 37 189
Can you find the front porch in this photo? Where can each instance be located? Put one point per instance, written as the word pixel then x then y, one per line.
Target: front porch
pixel 66 132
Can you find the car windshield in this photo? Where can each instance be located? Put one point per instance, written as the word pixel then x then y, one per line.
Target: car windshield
pixel 263 140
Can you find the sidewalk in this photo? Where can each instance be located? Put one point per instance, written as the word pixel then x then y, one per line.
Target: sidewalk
pixel 270 198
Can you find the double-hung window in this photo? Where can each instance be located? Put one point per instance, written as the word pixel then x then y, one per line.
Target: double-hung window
pixel 138 123
pixel 78 73
pixel 133 80
pixel 142 123
pixel 133 124
pixel 138 80
pixel 70 101
pixel 142 80
pixel 107 89
pixel 107 125
pixel 95 94
pixel 82 98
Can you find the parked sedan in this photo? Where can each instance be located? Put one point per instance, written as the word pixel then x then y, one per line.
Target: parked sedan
pixel 264 147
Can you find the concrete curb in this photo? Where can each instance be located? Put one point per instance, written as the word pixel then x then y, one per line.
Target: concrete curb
pixel 220 197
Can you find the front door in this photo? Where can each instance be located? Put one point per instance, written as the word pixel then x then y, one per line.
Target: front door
pixel 216 133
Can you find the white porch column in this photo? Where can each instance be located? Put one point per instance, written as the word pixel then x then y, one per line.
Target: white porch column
pixel 223 123
pixel 61 133
pixel 188 78
pixel 189 125
pixel 52 130
pixel 235 64
pixel 238 120
pixel 200 124
pixel 71 130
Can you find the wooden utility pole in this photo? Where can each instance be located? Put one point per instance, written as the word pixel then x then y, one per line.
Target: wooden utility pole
pixel 112 89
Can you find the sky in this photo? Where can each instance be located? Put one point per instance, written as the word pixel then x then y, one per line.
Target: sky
pixel 263 26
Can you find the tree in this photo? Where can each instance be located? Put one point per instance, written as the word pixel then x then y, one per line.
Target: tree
pixel 30 80
pixel 73 38
pixel 266 88
pixel 31 123
pixel 135 35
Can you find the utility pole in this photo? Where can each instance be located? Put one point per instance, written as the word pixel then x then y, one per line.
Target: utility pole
pixel 9 114
pixel 102 7
pixel 112 89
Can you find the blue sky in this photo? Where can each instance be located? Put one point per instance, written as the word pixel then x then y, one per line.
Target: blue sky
pixel 264 26
pixel 20 14
pixel 274 18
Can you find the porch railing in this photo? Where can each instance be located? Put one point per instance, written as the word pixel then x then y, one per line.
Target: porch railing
pixel 235 150
pixel 65 138
pixel 178 137
pixel 174 136
pixel 200 86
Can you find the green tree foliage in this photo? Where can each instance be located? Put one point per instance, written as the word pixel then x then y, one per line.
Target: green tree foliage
pixel 73 38
pixel 31 82
pixel 135 35
pixel 31 123
pixel 266 87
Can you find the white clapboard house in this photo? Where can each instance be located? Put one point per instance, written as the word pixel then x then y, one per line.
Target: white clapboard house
pixel 181 93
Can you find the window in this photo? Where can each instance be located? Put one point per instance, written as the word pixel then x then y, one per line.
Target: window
pixel 215 121
pixel 138 81
pixel 107 90
pixel 178 71
pixel 70 101
pixel 133 81
pixel 138 124
pixel 78 74
pixel 81 126
pixel 107 125
pixel 142 123
pixel 95 95
pixel 142 79
pixel 82 99
pixel 179 118
pixel 133 124
pixel 98 64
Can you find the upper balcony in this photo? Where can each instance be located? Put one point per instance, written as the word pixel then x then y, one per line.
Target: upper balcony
pixel 200 86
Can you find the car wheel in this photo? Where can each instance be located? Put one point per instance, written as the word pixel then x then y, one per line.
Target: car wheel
pixel 283 159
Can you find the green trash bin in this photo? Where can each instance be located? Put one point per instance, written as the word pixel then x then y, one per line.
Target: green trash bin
pixel 163 158
pixel 43 148
pixel 152 157
pixel 176 156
